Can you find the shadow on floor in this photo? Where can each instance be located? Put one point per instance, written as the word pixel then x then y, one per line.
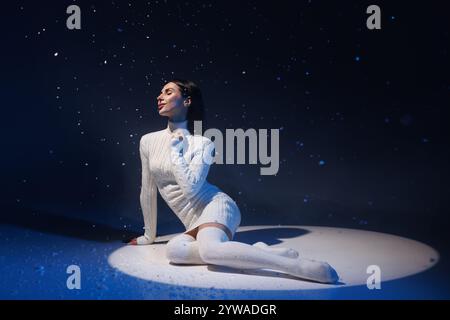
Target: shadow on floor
pixel 271 236
pixel 46 222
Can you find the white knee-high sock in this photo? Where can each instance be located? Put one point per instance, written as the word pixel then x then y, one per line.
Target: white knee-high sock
pixel 183 249
pixel 284 252
pixel 215 249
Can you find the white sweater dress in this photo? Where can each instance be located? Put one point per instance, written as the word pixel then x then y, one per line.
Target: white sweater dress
pixel 178 169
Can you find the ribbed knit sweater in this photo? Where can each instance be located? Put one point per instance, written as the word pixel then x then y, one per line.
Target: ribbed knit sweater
pixel 178 169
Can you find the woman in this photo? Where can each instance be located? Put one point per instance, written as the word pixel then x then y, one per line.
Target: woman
pixel 176 162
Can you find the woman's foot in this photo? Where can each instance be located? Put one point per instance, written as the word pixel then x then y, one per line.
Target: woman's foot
pixel 316 271
pixel 284 252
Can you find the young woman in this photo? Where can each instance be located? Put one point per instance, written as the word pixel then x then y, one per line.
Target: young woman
pixel 176 162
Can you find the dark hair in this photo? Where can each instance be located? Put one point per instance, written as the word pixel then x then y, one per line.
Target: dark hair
pixel 196 109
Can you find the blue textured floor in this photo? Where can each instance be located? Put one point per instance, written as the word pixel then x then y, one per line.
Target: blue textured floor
pixel 34 259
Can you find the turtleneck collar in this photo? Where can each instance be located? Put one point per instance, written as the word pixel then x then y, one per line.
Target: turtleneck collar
pixel 172 126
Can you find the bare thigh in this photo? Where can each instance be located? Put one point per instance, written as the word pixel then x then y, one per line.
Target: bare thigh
pixel 193 233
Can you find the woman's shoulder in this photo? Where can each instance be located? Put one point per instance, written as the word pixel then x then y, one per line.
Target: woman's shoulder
pixel 151 136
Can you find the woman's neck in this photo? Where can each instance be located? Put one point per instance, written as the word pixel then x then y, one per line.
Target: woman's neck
pixel 172 125
pixel 178 119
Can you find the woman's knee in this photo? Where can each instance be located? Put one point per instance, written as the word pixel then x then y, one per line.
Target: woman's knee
pixel 210 240
pixel 177 248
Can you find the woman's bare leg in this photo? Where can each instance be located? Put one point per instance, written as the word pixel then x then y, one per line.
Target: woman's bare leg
pixel 214 248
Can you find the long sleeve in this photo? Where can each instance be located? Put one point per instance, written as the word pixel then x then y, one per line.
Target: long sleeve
pixel 190 177
pixel 148 196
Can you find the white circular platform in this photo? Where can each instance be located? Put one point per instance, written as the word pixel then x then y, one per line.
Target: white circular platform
pixel 349 251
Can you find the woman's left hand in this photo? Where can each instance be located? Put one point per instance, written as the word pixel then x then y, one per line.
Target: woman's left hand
pixel 178 140
pixel 178 135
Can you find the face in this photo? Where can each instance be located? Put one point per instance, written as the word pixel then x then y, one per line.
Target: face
pixel 171 103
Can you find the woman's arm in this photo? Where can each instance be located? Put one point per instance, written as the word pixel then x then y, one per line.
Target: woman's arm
pixel 190 177
pixel 148 195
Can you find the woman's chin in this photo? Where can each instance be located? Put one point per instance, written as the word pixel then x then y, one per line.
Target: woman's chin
pixel 162 113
